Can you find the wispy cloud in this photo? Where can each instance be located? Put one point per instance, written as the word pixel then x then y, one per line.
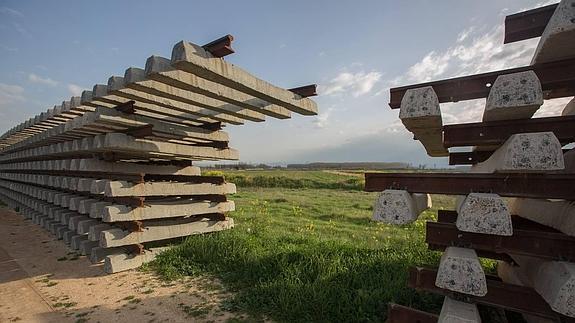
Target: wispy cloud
pixel 357 84
pixel 10 94
pixel 41 80
pixel 476 50
pixel 8 49
pixel 322 119
pixel 74 89
pixel 11 12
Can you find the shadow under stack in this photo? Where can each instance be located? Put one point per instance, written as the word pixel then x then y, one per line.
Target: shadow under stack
pixel 515 205
pixel 111 172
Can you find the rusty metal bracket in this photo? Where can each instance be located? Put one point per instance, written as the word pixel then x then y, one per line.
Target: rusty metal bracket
pixel 126 107
pixel 133 201
pixel 141 132
pixel 527 24
pixel 305 91
pixel 135 249
pixel 131 226
pixel 220 47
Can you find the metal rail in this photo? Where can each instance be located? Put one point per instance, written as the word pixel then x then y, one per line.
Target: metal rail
pixel 496 132
pixel 499 294
pixel 528 239
pixel 559 186
pixel 527 24
pixel 557 81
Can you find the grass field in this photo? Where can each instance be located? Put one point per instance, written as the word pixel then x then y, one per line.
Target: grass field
pixel 308 253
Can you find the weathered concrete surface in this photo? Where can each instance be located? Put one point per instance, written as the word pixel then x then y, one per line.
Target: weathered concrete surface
pixel 120 262
pixel 556 42
pixel 420 109
pixel 511 274
pixel 514 96
pixel 87 246
pixel 421 115
pixel 123 188
pixel 558 214
pixel 525 152
pixel 161 230
pixel 484 213
pixel 156 210
pixel 399 206
pixel 160 69
pixel 569 109
pixel 136 80
pixel 454 311
pixel 196 60
pixel 460 271
pixel 555 282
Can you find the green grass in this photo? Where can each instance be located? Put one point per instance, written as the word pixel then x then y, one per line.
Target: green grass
pixel 309 254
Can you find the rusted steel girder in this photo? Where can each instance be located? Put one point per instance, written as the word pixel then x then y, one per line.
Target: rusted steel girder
pixel 527 24
pixel 557 81
pixel 472 157
pixel 220 47
pixel 528 239
pixel 499 294
pixel 403 314
pixel 559 186
pixel 305 91
pixel 496 132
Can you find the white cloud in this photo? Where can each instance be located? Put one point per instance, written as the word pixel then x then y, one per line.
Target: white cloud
pixel 358 84
pixel 11 12
pixel 10 94
pixel 8 49
pixel 430 67
pixel 475 50
pixel 75 90
pixel 321 120
pixel 41 80
pixel 464 34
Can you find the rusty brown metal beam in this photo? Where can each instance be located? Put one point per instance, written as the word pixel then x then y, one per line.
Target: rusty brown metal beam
pixel 527 239
pixel 403 314
pixel 496 132
pixel 499 294
pixel 472 157
pixel 560 186
pixel 126 107
pixel 527 24
pixel 305 91
pixel 557 80
pixel 220 47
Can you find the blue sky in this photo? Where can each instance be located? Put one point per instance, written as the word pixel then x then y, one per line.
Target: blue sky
pixel 354 50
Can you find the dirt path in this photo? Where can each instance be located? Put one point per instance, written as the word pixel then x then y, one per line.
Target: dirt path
pixel 42 281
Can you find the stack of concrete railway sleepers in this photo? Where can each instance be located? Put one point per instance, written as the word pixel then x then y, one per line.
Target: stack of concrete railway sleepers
pixel 110 172
pixel 515 204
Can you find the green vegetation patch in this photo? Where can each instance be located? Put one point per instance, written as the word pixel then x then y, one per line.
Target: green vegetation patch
pixel 309 255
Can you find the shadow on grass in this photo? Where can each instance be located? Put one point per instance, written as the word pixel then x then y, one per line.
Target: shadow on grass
pixel 301 278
